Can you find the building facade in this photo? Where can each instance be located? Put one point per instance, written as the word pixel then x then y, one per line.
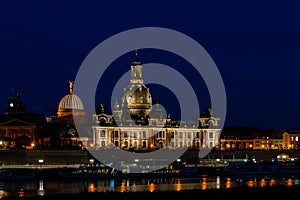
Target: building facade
pixel 18 128
pixel 291 139
pixel 138 125
pixel 250 138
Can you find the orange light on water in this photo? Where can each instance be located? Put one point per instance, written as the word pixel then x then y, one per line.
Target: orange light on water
pixel 151 187
pixel 21 193
pixel 123 187
pixel 228 183
pixel 203 185
pixel 178 186
pixel 289 182
pixel 251 183
pixel 92 188
pixel 272 182
pixel 262 182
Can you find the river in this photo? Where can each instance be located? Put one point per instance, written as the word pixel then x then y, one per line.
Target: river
pixel 43 187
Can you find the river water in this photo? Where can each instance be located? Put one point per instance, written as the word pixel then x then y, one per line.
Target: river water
pixel 44 187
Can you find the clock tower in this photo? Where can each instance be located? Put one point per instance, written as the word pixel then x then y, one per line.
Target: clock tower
pixel 14 104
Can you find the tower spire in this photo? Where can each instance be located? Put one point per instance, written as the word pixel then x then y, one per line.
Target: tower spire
pixel 116 106
pixel 157 101
pixel 136 60
pixel 136 70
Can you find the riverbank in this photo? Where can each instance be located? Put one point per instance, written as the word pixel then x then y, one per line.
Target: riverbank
pixel 244 193
pixel 63 157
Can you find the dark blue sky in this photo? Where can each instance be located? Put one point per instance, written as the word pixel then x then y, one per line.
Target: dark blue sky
pixel 255 44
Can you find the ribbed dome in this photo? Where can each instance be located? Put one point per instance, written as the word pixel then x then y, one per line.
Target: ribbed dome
pixel 137 99
pixel 70 104
pixel 70 101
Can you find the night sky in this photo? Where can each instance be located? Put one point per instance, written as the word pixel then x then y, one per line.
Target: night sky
pixel 255 44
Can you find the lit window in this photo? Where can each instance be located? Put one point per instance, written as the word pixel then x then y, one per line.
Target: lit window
pixel 144 135
pixel 296 138
pixel 180 135
pixel 172 134
pixel 126 143
pixel 189 135
pixel 116 134
pixel 211 145
pixel 180 144
pixel 161 134
pixel 292 138
pixel 172 144
pixel 102 133
pixel 125 134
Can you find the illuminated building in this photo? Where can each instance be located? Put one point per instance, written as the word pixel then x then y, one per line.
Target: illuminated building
pixel 250 138
pixel 69 106
pixel 290 139
pixel 136 124
pixel 19 128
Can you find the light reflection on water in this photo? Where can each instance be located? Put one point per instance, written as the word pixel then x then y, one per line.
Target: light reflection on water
pixel 41 187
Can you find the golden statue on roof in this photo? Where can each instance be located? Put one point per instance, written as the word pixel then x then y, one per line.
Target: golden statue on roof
pixel 71 86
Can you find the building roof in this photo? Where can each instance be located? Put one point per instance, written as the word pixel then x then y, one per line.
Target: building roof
pixel 70 103
pixel 22 119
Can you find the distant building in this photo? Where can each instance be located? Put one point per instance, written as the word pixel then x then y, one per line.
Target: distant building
pixel 64 131
pixel 70 104
pixel 250 138
pixel 138 125
pixel 291 139
pixel 18 128
pixel 14 104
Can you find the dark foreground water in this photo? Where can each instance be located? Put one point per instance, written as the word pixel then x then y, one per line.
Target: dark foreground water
pixel 43 188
